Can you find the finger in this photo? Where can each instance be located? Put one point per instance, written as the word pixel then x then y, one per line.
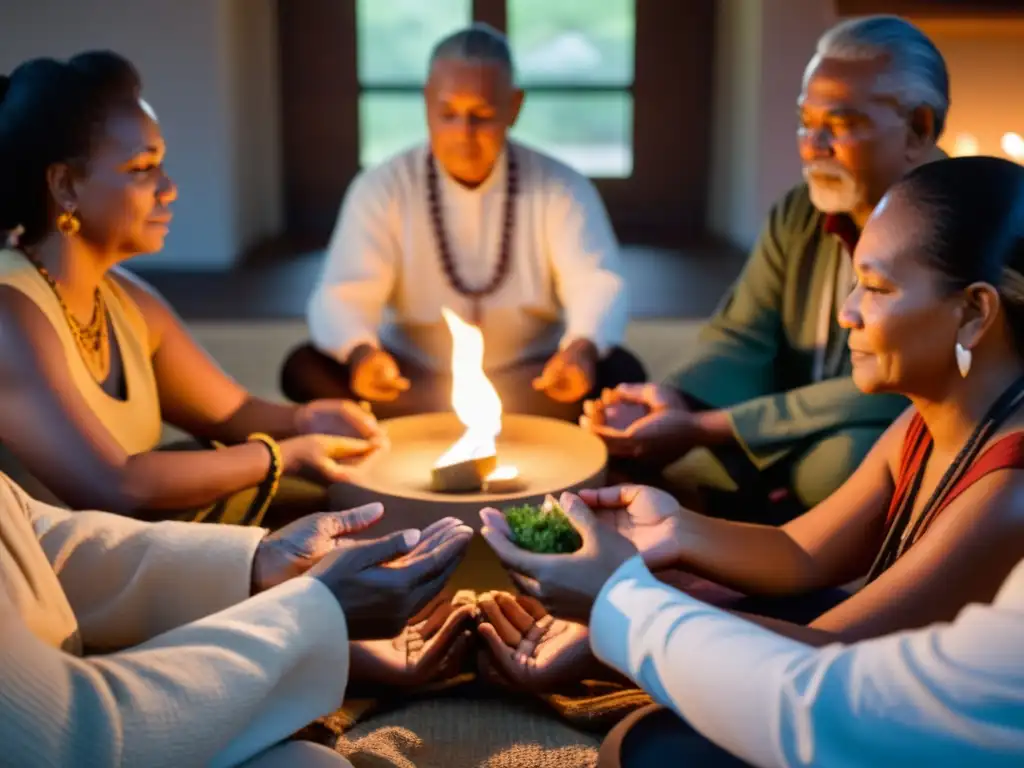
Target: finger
pixel 332 471
pixel 488 671
pixel 452 661
pixel 431 536
pixel 509 634
pixel 439 644
pixel 611 497
pixel 514 612
pixel 440 601
pixel 379 551
pixel 492 518
pixel 510 555
pixel 581 516
pixel 632 393
pixel 526 585
pixel 447 552
pixel 361 417
pixel 401 384
pixel 501 654
pixel 353 520
pixel 338 447
pixel 533 607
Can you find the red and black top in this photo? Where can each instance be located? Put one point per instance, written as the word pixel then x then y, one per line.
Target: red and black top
pixel 970 465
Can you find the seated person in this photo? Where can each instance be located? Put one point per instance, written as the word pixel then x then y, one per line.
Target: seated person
pixel 941 694
pixel 933 519
pixel 503 235
pixel 91 358
pixel 767 397
pixel 172 643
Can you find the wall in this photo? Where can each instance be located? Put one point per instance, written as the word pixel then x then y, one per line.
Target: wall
pixel 763 47
pixel 204 65
pixel 985 102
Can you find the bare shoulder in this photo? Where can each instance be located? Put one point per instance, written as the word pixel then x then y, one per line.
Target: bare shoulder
pixel 26 333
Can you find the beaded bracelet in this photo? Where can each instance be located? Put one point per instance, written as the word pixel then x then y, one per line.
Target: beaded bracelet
pixel 268 488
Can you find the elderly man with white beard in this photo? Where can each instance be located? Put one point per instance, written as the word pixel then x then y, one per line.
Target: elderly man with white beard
pixel 767 397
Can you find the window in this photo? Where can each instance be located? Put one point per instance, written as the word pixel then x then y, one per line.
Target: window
pixel 574 58
pixel 393 42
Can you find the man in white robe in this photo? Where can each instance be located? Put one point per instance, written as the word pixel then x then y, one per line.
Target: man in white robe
pixel 505 236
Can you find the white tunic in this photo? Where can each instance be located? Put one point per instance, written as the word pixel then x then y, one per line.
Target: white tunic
pixel 948 695
pixel 383 281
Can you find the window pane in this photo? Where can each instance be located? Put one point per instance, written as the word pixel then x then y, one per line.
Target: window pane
pixel 394 37
pixel 573 41
pixel 592 132
pixel 389 123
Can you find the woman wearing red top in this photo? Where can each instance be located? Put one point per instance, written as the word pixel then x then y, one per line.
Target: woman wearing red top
pixel 934 517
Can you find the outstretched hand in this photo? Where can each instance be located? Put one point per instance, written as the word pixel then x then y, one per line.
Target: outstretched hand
pixel 566 584
pixel 294 549
pixel 432 646
pixel 526 647
pixel 650 518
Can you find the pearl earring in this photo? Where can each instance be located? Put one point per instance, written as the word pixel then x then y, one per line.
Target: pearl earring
pixel 963 359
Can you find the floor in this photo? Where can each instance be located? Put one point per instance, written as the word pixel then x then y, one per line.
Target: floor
pixel 662 284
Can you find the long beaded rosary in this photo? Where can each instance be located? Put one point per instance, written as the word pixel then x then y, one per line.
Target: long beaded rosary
pixel 504 254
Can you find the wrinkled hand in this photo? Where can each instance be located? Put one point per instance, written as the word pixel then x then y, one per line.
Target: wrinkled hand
pixel 566 584
pixel 380 584
pixel 570 374
pixel 651 519
pixel 294 549
pixel 527 647
pixel 649 422
pixel 324 458
pixel 375 376
pixel 342 418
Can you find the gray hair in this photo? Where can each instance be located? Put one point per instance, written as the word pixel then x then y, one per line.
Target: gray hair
pixel 916 68
pixel 478 42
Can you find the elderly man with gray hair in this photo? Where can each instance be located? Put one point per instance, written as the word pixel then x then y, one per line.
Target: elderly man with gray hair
pixel 505 236
pixel 767 397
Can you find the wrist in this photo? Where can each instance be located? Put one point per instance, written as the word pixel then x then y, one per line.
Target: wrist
pixel 584 348
pixel 713 428
pixel 359 353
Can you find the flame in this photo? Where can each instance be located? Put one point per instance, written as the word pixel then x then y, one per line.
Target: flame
pixel 474 399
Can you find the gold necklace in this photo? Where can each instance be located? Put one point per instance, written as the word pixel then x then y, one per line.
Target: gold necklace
pixel 91 337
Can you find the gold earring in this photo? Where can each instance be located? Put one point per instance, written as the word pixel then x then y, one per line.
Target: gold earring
pixel 68 224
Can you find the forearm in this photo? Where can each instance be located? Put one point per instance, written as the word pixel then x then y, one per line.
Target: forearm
pixel 153 483
pixel 950 694
pixel 750 558
pixel 257 415
pixel 215 692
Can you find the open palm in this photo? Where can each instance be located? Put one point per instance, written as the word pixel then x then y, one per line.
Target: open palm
pixel 529 648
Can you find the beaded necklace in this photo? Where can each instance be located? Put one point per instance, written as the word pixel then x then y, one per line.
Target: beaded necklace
pixel 89 337
pixel 504 254
pixel 903 533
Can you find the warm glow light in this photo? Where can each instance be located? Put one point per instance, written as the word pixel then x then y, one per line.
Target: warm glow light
pixel 474 399
pixel 1013 146
pixel 965 144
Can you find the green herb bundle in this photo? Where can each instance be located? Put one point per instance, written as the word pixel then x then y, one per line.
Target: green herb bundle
pixel 544 529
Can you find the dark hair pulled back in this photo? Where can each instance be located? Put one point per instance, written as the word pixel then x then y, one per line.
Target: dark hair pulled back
pixel 53 112
pixel 973 209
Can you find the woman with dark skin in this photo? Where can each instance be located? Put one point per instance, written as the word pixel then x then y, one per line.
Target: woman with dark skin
pixel 933 519
pixel 91 358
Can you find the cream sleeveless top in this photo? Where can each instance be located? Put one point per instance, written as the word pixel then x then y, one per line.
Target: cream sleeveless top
pixel 135 422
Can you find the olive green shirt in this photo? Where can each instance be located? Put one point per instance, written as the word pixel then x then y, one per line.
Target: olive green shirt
pixel 760 356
